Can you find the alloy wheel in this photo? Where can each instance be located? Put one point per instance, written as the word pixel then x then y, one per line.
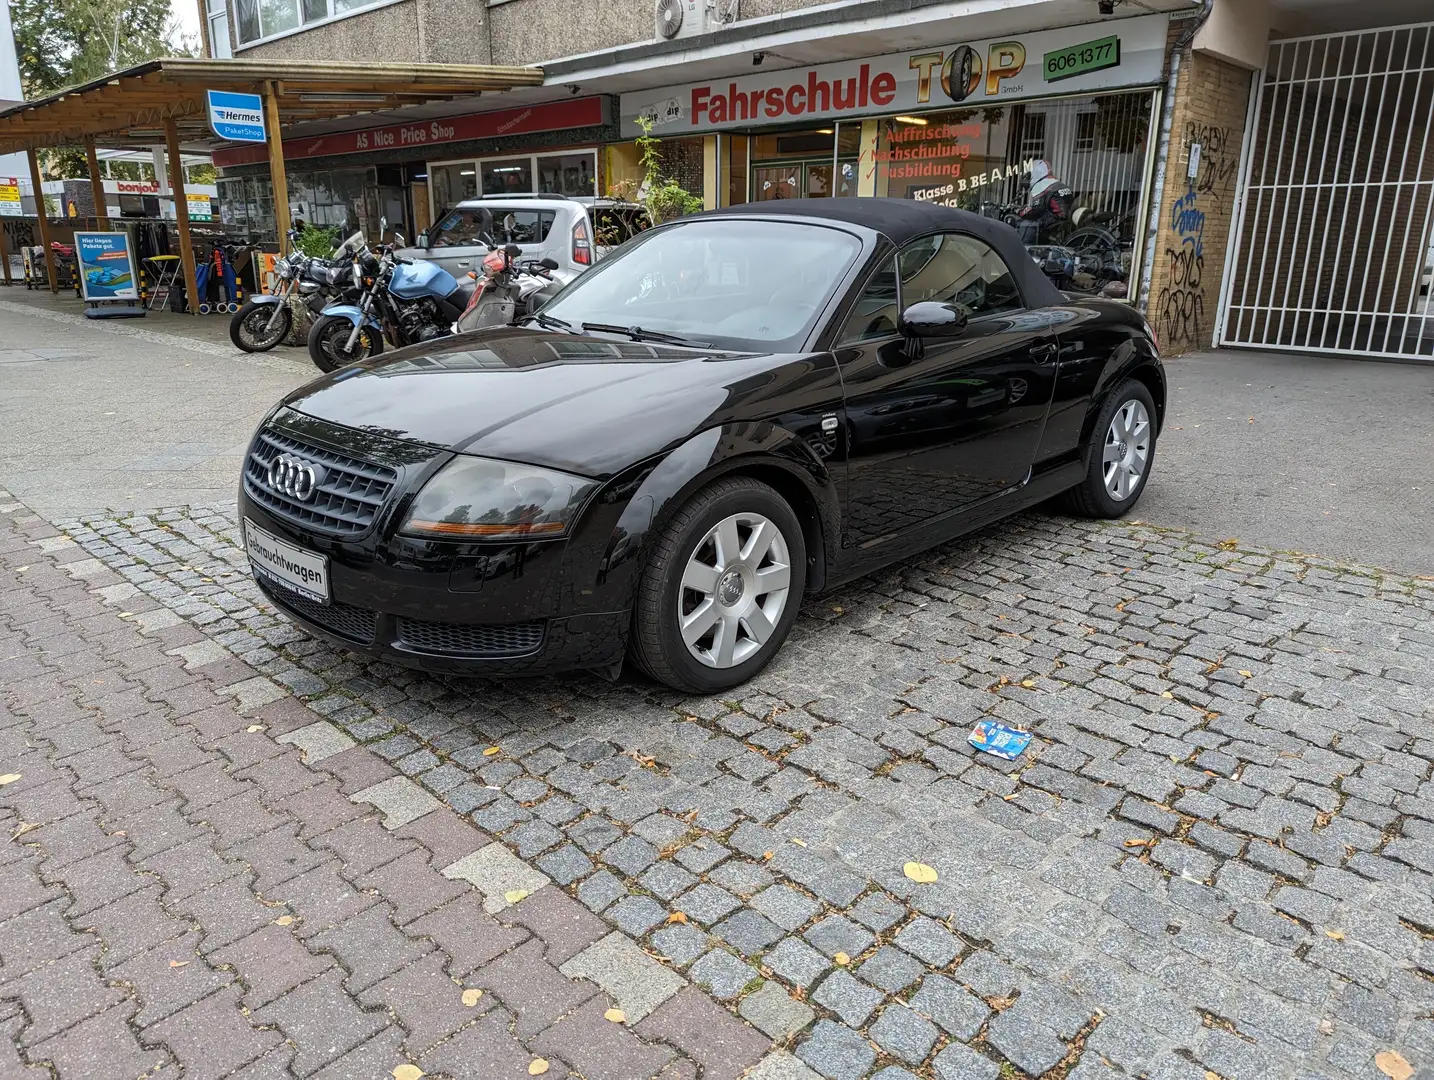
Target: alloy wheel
pixel 1127 450
pixel 257 331
pixel 734 590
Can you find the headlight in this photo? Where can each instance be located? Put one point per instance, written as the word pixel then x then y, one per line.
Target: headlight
pixel 481 499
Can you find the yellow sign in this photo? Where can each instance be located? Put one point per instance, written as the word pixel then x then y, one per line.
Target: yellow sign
pixel 10 197
pixel 200 208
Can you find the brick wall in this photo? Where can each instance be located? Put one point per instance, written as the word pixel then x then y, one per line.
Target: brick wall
pixel 1211 100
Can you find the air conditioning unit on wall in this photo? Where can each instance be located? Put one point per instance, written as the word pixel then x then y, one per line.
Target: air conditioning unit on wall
pixel 688 18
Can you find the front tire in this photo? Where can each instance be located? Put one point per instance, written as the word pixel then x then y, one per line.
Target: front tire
pixel 328 336
pixel 1122 453
pixel 721 589
pixel 252 330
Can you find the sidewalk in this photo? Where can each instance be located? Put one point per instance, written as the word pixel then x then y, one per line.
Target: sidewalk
pixel 205 878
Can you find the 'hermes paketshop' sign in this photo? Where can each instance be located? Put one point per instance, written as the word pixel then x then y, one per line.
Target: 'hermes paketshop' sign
pixel 550 116
pixel 1075 59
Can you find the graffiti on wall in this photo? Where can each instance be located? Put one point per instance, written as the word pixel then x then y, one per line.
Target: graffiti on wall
pixel 19 232
pixel 1180 307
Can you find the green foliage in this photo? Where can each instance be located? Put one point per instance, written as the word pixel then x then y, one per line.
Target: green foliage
pixel 201 174
pixel 315 242
pixel 665 199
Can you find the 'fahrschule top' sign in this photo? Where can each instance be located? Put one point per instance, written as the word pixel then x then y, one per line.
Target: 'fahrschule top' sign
pixel 236 117
pixel 1071 60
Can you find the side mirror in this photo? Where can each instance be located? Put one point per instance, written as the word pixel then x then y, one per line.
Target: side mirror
pixel 548 264
pixel 513 251
pixel 382 228
pixel 932 319
pixel 398 240
pixel 422 241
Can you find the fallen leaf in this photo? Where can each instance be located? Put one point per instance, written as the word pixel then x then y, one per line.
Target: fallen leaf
pixel 1001 1004
pixel 21 569
pixel 25 826
pixel 919 872
pixel 677 917
pixel 767 855
pixel 407 1072
pixel 1012 795
pixel 9 778
pixel 1120 606
pixel 1167 695
pixel 1136 843
pixel 1229 545
pixel 1337 935
pixel 471 996
pixel 1248 674
pixel 842 959
pixel 537 1067
pixel 1392 1064
pixel 1326 1027
pixel 514 895
pixel 1211 1075
pixel 1029 684
pixel 254 728
pixel 491 751
pixel 799 841
pixel 284 920
pixel 126 615
pixel 178 963
pixel 617 1016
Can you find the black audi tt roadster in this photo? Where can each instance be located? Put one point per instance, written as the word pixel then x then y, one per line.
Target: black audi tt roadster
pixel 731 412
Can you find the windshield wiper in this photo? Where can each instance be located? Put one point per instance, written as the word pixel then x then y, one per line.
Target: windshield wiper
pixel 550 322
pixel 637 333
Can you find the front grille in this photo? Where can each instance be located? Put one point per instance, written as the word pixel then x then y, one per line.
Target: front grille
pixel 512 639
pixel 345 504
pixel 355 623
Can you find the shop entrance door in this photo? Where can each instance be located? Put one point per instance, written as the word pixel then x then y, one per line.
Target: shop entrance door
pixel 1334 238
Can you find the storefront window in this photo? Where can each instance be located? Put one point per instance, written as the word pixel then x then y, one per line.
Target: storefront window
pixel 1069 174
pixel 566 174
pixel 451 184
pixel 800 164
pixel 734 160
pixel 507 176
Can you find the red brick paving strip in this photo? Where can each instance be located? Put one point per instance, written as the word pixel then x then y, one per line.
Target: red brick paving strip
pixel 180 893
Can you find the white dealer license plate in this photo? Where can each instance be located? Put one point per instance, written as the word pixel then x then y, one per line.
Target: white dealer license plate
pixel 306 572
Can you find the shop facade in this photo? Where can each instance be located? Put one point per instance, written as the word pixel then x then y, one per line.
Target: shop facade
pixel 962 126
pixel 407 174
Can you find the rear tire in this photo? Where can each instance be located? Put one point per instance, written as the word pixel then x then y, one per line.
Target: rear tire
pixel 249 329
pixel 327 337
pixel 721 589
pixel 1122 453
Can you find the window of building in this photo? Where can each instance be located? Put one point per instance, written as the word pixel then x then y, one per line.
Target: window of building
pixel 573 174
pixel 1033 135
pixel 216 14
pixel 1085 132
pixel 256 20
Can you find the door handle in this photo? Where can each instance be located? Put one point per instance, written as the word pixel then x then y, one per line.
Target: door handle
pixel 1044 354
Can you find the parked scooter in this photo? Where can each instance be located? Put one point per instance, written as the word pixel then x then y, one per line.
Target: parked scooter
pixel 265 319
pixel 403 300
pixel 508 290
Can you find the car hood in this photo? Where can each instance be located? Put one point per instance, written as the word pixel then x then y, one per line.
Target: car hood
pixel 584 405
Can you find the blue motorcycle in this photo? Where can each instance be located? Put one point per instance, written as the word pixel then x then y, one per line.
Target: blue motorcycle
pixel 403 301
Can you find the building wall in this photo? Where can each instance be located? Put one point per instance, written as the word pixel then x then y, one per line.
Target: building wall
pixel 1210 110
pixel 431 31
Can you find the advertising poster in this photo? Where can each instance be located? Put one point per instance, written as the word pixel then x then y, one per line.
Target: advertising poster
pixel 10 197
pixel 200 208
pixel 106 266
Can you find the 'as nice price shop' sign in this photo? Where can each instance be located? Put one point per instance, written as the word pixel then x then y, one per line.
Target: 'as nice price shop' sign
pixel 1073 60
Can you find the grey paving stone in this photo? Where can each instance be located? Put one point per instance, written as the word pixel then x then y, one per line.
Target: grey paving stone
pixel 600 890
pixel 701 855
pixel 780 1065
pixel 837 933
pixel 837 1052
pixel 593 834
pixel 533 838
pixel 707 904
pixel 748 932
pixel 797 962
pixel 634 980
pixel 1031 1047
pixel 850 999
pixel 745 879
pixel 566 865
pixel 631 855
pixel 878 912
pixel 785 906
pixel 498 874
pixel 901 1032
pixel 958 1062
pixel 681 943
pixel 399 799
pixel 959 1012
pixel 721 974
pixel 929 942
pixel 636 915
pixel 894 1072
pixel 772 1011
pixel 666 880
pixel 660 829
pixel 890 969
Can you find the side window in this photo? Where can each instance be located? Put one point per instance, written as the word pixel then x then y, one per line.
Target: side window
pixel 457 228
pixel 522 226
pixel 958 269
pixel 876 313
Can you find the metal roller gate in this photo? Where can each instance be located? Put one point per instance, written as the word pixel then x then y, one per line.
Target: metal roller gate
pixel 1335 231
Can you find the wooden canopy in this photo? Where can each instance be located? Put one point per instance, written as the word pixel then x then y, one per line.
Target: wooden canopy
pixel 131 107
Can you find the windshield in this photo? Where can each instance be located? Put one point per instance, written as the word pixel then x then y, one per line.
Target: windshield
pixel 733 283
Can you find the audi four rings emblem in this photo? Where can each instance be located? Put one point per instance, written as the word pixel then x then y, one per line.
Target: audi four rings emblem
pixel 295 477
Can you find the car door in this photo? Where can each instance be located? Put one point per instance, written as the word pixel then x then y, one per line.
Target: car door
pixel 455 241
pixel 936 425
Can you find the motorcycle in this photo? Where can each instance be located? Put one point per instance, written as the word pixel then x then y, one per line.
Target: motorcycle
pixel 403 301
pixel 1071 246
pixel 508 290
pixel 266 319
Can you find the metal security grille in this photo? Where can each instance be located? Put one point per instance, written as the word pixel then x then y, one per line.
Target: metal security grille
pixel 1334 234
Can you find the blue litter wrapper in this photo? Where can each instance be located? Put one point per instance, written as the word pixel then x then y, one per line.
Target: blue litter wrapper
pixel 992 738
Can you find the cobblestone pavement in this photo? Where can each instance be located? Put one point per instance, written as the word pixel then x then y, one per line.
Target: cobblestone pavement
pixel 1214 860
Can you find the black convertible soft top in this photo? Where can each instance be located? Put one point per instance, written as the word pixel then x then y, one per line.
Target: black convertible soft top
pixel 903 220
